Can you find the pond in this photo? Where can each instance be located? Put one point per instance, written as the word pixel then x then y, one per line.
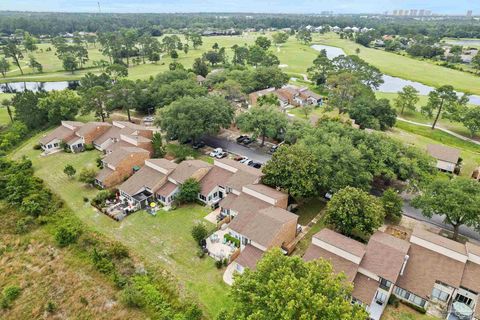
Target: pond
pixel 390 84
pixel 14 87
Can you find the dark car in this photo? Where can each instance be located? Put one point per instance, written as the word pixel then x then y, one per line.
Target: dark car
pixel 247 141
pixel 241 138
pixel 198 145
pixel 256 165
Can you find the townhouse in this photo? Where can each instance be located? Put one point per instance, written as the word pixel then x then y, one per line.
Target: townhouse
pixel 289 95
pixel 447 157
pixel 427 270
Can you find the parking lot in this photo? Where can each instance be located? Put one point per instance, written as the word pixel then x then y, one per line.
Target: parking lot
pixel 227 141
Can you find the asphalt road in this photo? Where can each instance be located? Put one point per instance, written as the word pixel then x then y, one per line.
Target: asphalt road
pixel 437 220
pixel 255 154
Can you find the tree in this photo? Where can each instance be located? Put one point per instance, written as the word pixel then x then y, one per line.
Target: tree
pixel 11 50
pixel 294 169
pixel 191 118
pixel 35 65
pixel 29 42
pixel 280 37
pixel 476 62
pixel 4 67
pixel 444 100
pixel 196 40
pixel 157 145
pixel 268 100
pixel 306 110
pixel 392 204
pixel 174 54
pixel 94 100
pixel 240 54
pixel 263 121
pixel 117 71
pixel 470 118
pixel 263 42
pixel 87 175
pixel 287 288
pixel 69 170
pixel 304 36
pixel 189 191
pixel 7 103
pixel 371 113
pixel 354 212
pixel 200 67
pixel 199 232
pixel 26 109
pixel 354 65
pixel 123 95
pixel 407 99
pixel 213 57
pixel 455 199
pixel 344 88
pixel 69 63
pixel 60 105
pixel 320 69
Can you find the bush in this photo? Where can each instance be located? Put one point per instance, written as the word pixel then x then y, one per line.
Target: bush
pixel 393 301
pixel 37 146
pixel 87 175
pixel 232 240
pixel 132 297
pixel 199 232
pixel 188 191
pixel 101 197
pixel 89 147
pixel 200 253
pixel 66 235
pixel 23 225
pixel 219 264
pixel 9 294
pixel 392 203
pixel 102 262
pixel 51 307
pixel 181 151
pixel 118 251
pixel 414 306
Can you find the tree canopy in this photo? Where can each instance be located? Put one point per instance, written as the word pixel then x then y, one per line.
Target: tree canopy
pixel 266 121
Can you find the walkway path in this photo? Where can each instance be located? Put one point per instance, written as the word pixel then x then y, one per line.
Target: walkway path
pixel 306 229
pixel 459 136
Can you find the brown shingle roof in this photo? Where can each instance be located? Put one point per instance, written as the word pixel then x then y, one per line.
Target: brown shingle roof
pixel 437 239
pixel 132 125
pixel 424 267
pixel 267 191
pixel 471 276
pixel 121 153
pixel 342 242
pixel 262 226
pixel 145 177
pixel 240 166
pixel 104 173
pixel 385 255
pixel 246 203
pixel 473 248
pixel 112 133
pixel 364 288
pixel 61 133
pixel 443 153
pixel 249 257
pixel 163 163
pixel 339 264
pixel 91 126
pixel 215 177
pixel 167 189
pixel 228 201
pixel 186 169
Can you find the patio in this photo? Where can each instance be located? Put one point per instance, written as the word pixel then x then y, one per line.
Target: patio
pixel 218 248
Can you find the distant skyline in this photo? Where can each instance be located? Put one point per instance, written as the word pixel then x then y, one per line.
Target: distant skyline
pixel 254 6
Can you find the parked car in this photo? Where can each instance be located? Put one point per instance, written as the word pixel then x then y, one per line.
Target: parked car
pixel 198 145
pixel 248 162
pixel 215 152
pixel 239 158
pixel 328 195
pixel 244 160
pixel 221 155
pixel 273 149
pixel 241 138
pixel 247 141
pixel 256 165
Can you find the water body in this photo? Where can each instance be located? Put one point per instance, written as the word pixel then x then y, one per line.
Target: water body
pixel 390 84
pixel 14 87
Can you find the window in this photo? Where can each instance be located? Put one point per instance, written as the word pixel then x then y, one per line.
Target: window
pixel 380 297
pixel 385 284
pixel 55 145
pixel 463 299
pixel 215 195
pixel 202 197
pixel 439 294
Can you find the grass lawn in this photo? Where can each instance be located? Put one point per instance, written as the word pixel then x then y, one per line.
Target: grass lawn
pixel 422 136
pixel 406 67
pixel 309 210
pixel 403 312
pixel 419 117
pixel 163 240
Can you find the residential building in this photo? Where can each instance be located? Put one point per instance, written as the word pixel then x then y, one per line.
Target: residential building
pixel 130 133
pixel 61 135
pixel 447 157
pixel 289 95
pixel 427 270
pixel 120 164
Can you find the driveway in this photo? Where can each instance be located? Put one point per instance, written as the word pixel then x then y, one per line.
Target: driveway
pixel 256 154
pixel 436 220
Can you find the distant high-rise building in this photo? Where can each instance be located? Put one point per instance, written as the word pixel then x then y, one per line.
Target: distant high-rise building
pixel 469 13
pixel 400 12
pixel 405 13
pixel 413 12
pixel 428 12
pixel 421 12
pixel 395 12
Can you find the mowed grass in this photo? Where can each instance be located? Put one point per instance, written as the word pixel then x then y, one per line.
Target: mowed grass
pixel 417 116
pixel 163 240
pixel 406 67
pixel 422 136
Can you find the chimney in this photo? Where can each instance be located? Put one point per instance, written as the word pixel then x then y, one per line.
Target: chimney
pixel 405 259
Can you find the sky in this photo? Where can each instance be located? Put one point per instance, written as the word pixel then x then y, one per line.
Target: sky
pixel 260 6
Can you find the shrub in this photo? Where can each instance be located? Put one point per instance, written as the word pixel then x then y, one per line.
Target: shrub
pixel 89 147
pixel 181 151
pixel 102 196
pixel 414 306
pixel 37 146
pixel 219 264
pixel 66 235
pixel 84 301
pixel 392 204
pixel 200 253
pixel 132 297
pixel 23 225
pixel 9 294
pixel 199 232
pixel 87 175
pixel 118 251
pixel 393 300
pixel 85 199
pixel 102 262
pixel 232 240
pixel 51 307
pixel 69 170
pixel 188 191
